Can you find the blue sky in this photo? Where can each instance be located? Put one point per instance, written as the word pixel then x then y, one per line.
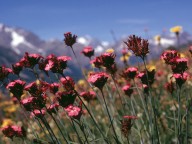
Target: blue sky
pixel 51 18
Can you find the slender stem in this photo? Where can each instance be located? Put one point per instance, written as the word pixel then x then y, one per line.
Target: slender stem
pixel 59 129
pixel 109 115
pixel 76 132
pixel 179 116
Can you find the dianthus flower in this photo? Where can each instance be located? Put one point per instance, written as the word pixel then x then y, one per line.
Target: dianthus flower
pixel 90 95
pixel 97 62
pixel 4 72
pixel 98 79
pixel 32 103
pixel 169 55
pixel 53 108
pixel 88 51
pixel 54 87
pixel 69 39
pixel 74 112
pixel 30 60
pixel 130 73
pixel 56 64
pixel 143 77
pixel 68 83
pixel 180 78
pixel 17 68
pixel 16 88
pixel 138 45
pixel 128 90
pixel 13 131
pixel 179 65
pixel 107 59
pixel 38 113
pixel 65 98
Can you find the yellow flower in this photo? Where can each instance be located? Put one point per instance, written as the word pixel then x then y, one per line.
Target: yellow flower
pixel 110 50
pixel 124 58
pixel 176 29
pixel 81 82
pixel 157 38
pixel 7 122
pixel 151 68
pixel 11 108
pixel 182 55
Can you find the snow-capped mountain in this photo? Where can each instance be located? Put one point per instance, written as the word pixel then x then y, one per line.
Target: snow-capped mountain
pixel 16 41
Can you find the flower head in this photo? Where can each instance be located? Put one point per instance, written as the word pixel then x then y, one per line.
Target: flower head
pixel 38 113
pixel 169 55
pixel 127 89
pixel 130 73
pixel 90 95
pixel 16 88
pixel 179 65
pixel 54 87
pixel 180 78
pixel 53 108
pixel 143 77
pixel 138 45
pixel 74 112
pixel 4 72
pixel 65 98
pixel 176 29
pixel 98 79
pixel 30 60
pixel 69 39
pixel 17 68
pixel 88 51
pixel 68 83
pixel 14 131
pixel 97 62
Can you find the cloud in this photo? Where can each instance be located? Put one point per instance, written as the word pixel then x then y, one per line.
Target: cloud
pixel 133 21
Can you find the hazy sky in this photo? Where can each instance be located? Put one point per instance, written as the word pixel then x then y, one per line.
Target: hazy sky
pixel 51 18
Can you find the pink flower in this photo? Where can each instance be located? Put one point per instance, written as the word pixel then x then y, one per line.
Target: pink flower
pixel 32 103
pixel 180 78
pixel 17 68
pixel 56 64
pixel 88 51
pixel 16 87
pixel 143 77
pixel 169 55
pixel 53 108
pixel 70 39
pixel 68 83
pixel 128 90
pixel 74 112
pixel 108 59
pixel 90 95
pixel 4 72
pixel 98 79
pixel 14 131
pixel 30 60
pixel 130 73
pixel 54 87
pixel 38 113
pixel 179 65
pixel 66 98
pixel 97 62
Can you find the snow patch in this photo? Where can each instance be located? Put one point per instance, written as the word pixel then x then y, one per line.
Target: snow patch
pixel 82 41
